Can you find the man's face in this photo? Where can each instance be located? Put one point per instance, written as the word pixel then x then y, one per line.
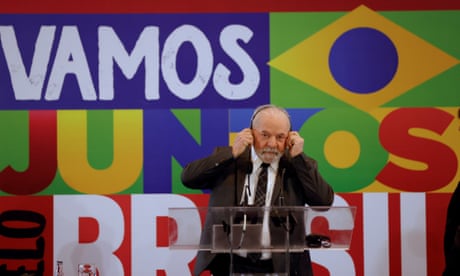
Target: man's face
pixel 270 133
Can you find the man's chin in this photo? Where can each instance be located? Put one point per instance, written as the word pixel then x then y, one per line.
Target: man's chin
pixel 269 157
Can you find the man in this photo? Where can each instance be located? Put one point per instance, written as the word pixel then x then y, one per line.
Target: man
pixel 293 179
pixel 452 235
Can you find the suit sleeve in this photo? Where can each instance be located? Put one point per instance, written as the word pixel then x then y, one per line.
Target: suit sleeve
pixel 202 173
pixel 316 190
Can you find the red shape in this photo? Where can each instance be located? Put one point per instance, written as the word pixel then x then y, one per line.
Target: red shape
pixel 440 159
pixel 42 157
pixel 184 6
pixel 166 230
pixel 88 230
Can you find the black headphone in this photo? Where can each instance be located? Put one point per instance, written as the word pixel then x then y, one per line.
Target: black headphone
pixel 267 106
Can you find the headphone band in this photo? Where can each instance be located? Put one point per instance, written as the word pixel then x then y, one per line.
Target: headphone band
pixel 268 106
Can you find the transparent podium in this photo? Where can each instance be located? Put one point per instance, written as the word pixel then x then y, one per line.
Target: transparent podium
pixel 274 231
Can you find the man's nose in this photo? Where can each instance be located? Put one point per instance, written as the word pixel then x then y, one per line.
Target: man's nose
pixel 271 141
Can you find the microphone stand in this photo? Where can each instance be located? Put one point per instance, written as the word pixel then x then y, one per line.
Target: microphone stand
pixel 244 203
pixel 287 225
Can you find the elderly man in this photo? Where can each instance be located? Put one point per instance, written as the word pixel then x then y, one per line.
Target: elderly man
pixel 268 143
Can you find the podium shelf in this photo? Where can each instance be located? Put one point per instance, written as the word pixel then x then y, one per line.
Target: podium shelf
pixel 260 229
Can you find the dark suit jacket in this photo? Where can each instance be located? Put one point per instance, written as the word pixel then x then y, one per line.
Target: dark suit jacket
pixel 225 176
pixel 452 235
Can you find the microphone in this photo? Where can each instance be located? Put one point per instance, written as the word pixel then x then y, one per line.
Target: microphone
pixel 248 172
pixel 249 167
pixel 246 190
pixel 245 198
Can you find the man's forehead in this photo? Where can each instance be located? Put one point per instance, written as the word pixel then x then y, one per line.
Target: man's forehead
pixel 276 132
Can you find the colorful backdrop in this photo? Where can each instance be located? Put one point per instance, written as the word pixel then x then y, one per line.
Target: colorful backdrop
pixel 103 103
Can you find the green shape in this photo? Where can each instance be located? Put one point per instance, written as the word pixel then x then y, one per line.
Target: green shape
pixel 177 186
pixel 14 140
pixel 191 120
pixel 372 156
pixel 290 28
pixel 440 91
pixel 287 30
pixel 439 28
pixel 100 138
pixel 137 187
pixel 58 186
pixel 290 92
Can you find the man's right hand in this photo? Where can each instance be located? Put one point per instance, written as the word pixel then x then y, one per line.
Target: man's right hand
pixel 242 140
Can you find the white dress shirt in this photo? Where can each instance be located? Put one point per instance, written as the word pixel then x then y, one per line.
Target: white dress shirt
pixel 251 182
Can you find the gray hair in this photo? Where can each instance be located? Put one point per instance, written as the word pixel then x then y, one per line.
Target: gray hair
pixel 266 107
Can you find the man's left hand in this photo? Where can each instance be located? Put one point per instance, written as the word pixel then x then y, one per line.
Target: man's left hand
pixel 294 143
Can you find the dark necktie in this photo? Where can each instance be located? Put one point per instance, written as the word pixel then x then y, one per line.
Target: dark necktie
pixel 261 190
pixel 259 201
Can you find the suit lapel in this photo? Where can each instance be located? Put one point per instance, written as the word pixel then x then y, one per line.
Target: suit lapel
pixel 277 189
pixel 279 182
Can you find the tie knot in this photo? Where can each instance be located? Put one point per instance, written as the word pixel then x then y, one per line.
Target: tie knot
pixel 265 165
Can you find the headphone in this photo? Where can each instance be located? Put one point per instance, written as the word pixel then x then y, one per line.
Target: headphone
pixel 268 106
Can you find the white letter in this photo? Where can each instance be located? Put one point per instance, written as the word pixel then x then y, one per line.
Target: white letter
pixel 376 234
pixel 70 59
pixel 27 87
pixel 413 234
pixel 147 258
pixel 251 76
pixel 111 48
pixel 337 262
pixel 107 213
pixel 204 56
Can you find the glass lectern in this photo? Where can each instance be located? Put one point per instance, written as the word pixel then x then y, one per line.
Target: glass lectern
pixel 243 230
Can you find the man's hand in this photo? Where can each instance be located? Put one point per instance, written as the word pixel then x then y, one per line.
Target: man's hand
pixel 242 140
pixel 295 143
